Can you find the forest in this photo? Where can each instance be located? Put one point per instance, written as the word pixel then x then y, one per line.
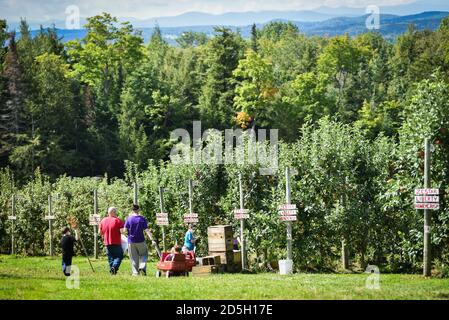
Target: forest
pixel 352 114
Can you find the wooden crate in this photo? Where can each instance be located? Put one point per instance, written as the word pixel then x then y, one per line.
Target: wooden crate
pixel 208 261
pixel 220 238
pixel 220 245
pixel 200 271
pixel 226 257
pixel 237 257
pixel 221 229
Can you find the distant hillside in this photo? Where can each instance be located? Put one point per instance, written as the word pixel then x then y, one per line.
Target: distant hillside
pixel 390 27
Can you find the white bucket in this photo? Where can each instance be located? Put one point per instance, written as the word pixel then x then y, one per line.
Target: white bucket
pixel 124 243
pixel 285 267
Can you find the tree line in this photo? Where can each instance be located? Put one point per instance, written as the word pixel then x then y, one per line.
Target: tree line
pixel 85 106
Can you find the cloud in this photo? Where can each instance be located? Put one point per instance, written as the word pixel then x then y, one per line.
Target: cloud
pixel 48 10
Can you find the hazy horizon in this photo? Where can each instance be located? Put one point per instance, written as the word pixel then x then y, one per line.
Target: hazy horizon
pixel 53 10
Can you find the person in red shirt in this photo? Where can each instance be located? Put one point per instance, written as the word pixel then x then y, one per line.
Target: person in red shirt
pixel 111 229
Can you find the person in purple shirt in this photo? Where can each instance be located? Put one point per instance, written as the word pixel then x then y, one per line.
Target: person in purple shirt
pixel 137 225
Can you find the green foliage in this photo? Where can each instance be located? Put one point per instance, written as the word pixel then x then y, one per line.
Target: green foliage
pixel 352 114
pixel 255 91
pixel 192 39
pixel 276 30
pixel 223 53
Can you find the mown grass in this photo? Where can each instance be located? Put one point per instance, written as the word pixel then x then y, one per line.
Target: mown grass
pixel 41 278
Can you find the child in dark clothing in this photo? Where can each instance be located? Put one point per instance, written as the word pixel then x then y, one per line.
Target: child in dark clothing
pixel 67 243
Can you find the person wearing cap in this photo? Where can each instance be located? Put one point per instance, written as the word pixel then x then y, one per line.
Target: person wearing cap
pixel 111 229
pixel 137 226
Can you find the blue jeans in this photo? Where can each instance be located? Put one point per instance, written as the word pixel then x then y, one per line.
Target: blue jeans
pixel 66 264
pixel 115 256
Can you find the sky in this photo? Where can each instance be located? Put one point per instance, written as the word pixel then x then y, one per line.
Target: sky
pixel 48 10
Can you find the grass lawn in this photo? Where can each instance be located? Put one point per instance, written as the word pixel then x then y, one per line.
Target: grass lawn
pixel 41 278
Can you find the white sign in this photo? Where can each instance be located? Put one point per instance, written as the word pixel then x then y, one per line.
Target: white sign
pixel 429 206
pixel 287 212
pixel 287 207
pixel 50 218
pixel 427 199
pixel 241 211
pixel 12 217
pixel 240 216
pixel 162 222
pixel 426 192
pixel 191 220
pixel 162 219
pixel 94 219
pixel 288 218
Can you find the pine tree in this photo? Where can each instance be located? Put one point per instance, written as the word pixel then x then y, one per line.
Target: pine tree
pixel 15 87
pixel 254 37
pixel 12 113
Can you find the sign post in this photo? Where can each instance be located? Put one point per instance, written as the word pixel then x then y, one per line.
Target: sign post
pixel 162 218
pixel 13 219
pixel 427 199
pixel 95 224
pixel 287 213
pixel 242 224
pixel 191 217
pixel 289 223
pixel 50 217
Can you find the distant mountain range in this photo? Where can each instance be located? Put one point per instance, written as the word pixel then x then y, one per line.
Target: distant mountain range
pixel 242 19
pixel 390 27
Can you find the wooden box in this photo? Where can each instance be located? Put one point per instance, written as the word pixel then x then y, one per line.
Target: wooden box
pixel 226 257
pixel 220 238
pixel 209 261
pixel 237 257
pixel 199 271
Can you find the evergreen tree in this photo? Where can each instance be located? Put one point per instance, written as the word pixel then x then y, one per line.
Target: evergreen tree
pixel 254 37
pixel 12 113
pixel 223 54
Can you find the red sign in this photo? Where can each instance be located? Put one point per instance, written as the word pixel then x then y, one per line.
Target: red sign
pixel 287 212
pixel 240 216
pixel 191 218
pixel 288 218
pixel 162 222
pixel 430 206
pixel 426 192
pixel 287 207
